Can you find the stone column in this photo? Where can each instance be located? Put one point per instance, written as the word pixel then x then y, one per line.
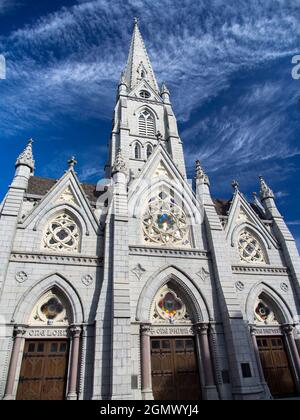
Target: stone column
pixel 74 363
pixel 288 331
pixel 210 390
pixel 146 363
pixel 19 339
pixel 253 332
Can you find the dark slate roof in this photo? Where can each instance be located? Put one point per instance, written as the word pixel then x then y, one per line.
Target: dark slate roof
pixel 41 186
pixel 222 206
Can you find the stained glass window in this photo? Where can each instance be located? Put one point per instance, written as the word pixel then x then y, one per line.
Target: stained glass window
pixel 169 307
pixel 264 313
pixel 165 222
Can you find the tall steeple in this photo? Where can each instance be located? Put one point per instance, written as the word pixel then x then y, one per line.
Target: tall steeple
pixel 26 157
pixel 138 64
pixel 143 116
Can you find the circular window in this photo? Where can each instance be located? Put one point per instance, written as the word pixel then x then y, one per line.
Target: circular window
pixel 145 94
pixel 62 234
pixel 165 222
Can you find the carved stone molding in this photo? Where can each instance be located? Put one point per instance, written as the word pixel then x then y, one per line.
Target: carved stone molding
pixel 87 280
pixel 275 271
pixel 203 274
pixel 75 331
pixel 21 277
pixel 202 329
pixel 288 329
pixel 19 331
pixel 265 330
pixel 42 258
pixel 168 252
pixel 146 329
pixel 240 286
pixel 284 287
pixel 139 271
pixel 171 330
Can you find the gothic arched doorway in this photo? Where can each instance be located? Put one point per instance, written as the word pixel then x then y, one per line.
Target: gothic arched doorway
pixel 274 343
pixel 176 361
pixel 50 345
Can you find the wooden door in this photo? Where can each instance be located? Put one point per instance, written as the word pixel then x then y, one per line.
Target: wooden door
pixel 276 366
pixel 44 370
pixel 175 374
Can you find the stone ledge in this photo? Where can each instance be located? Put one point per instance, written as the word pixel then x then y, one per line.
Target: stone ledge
pixel 168 252
pixel 64 259
pixel 275 271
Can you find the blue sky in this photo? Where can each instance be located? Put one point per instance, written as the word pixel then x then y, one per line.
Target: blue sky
pixel 226 62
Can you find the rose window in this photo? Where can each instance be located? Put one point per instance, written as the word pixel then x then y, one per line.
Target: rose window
pixel 62 234
pixel 165 222
pixel 250 249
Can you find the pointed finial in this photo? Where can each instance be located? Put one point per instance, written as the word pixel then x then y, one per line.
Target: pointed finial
pixel 72 162
pixel 265 190
pixel 120 164
pixel 200 174
pixel 235 185
pixel 136 21
pixel 26 157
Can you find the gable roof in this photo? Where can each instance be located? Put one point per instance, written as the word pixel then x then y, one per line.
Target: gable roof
pixel 40 186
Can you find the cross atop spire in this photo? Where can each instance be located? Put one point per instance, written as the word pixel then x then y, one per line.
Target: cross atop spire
pixel 72 162
pixel 26 157
pixel 138 64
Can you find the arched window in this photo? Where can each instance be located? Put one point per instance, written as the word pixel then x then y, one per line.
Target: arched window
pixel 265 312
pixel 62 234
pixel 146 124
pixel 169 306
pixel 137 151
pixel 250 249
pixel 51 309
pixel 149 151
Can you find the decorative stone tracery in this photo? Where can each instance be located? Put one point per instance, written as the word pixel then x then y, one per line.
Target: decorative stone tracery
pixel 250 249
pixel 51 309
pixel 165 222
pixel 62 234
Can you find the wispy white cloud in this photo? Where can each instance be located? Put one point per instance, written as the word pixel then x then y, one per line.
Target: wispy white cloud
pixel 294 223
pixel 196 50
pixel 68 63
pixel 8 5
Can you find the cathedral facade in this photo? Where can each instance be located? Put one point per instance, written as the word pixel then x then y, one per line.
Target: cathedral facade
pixel 146 287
